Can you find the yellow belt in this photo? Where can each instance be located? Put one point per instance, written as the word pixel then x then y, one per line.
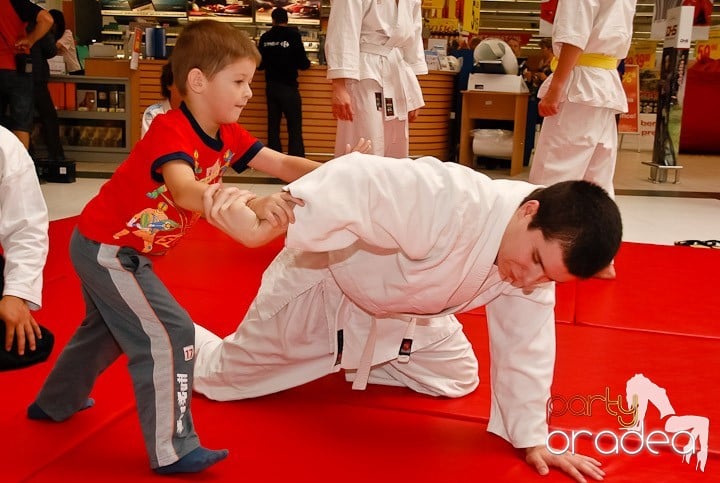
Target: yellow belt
pixel 591 60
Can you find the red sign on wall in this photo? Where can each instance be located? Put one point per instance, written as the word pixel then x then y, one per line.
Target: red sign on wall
pixel 630 121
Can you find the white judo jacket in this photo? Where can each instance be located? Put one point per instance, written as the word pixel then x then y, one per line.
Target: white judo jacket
pixel 379 40
pixel 23 222
pixel 419 238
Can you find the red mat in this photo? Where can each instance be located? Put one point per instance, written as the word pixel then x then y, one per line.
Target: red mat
pixel 663 289
pixel 324 431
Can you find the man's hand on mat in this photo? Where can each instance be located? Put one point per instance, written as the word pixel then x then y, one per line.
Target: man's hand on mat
pixel 363 146
pixel 575 465
pixel 19 323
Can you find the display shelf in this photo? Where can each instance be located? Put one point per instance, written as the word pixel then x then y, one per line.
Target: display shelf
pixel 142 13
pixel 218 18
pixel 100 131
pixel 100 115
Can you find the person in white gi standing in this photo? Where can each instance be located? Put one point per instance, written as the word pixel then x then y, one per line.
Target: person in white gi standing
pixel 374 52
pixel 579 101
pixel 371 288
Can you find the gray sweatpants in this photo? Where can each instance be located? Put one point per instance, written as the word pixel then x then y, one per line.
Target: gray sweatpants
pixel 129 310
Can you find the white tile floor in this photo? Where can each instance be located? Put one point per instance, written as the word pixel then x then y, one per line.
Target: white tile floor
pixel 648 219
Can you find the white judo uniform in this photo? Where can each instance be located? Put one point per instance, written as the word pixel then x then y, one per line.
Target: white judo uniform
pixel 23 222
pixel 580 141
pixel 377 47
pixel 385 251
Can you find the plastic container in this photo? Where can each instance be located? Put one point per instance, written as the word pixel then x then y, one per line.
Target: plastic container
pixel 492 143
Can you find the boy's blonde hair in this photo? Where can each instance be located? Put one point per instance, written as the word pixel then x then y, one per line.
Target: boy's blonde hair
pixel 210 46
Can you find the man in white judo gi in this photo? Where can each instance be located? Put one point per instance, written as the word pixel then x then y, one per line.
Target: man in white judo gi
pixel 580 99
pixel 24 242
pixel 374 51
pixel 381 255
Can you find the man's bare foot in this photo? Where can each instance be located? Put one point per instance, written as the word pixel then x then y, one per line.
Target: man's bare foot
pixel 607 273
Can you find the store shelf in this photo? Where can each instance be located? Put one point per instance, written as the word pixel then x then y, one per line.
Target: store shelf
pixel 94 135
pixel 142 13
pixel 96 149
pixel 100 115
pixel 218 18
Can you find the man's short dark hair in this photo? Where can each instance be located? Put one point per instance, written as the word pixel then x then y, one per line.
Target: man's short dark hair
pixel 279 15
pixel 166 80
pixel 586 221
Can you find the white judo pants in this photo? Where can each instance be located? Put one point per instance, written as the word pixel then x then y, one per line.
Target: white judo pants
pixel 390 138
pixel 579 142
pixel 298 344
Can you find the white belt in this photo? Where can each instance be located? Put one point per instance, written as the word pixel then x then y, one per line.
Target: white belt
pixel 383 50
pixel 365 365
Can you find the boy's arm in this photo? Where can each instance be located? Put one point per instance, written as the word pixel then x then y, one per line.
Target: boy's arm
pixel 276 208
pixel 184 188
pixel 287 168
pixel 227 210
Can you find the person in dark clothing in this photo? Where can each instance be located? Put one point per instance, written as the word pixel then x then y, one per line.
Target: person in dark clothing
pixel 40 52
pixel 283 53
pixel 15 74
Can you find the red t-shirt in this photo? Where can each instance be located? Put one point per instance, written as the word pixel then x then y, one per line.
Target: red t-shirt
pixel 135 209
pixel 14 18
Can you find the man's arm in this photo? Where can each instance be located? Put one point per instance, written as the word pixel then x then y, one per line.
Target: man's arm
pixel 300 56
pixel 261 49
pixel 47 46
pixel 23 235
pixel 572 27
pixel 414 53
pixel 522 348
pixel 522 344
pixel 342 53
pixel 43 24
pixel 550 102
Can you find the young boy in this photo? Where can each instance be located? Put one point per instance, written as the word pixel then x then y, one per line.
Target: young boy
pixel 150 202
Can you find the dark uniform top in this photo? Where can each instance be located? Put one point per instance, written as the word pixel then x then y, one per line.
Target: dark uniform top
pixel 283 53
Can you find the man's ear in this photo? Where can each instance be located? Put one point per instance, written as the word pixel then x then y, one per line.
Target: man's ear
pixel 529 208
pixel 196 80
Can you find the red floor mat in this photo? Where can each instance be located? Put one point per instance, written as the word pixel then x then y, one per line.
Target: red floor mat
pixel 283 438
pixel 324 431
pixel 658 288
pixel 591 359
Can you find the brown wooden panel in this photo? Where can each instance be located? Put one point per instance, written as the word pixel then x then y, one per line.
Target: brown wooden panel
pixel 428 136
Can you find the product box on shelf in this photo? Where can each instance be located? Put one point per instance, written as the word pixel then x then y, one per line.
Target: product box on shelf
pixel 56 171
pixel 86 99
pixel 497 83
